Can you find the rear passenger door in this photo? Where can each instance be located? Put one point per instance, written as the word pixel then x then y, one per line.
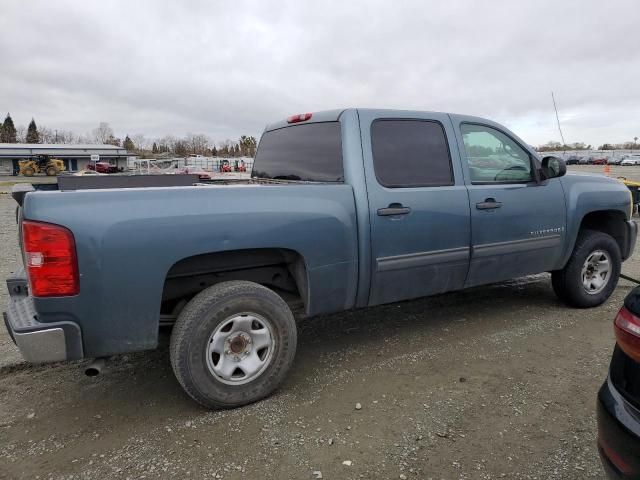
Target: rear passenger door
pixel 418 205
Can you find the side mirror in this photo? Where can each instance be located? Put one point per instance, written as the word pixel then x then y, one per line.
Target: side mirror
pixel 553 167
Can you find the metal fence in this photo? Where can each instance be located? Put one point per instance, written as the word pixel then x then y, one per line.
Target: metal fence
pixel 211 164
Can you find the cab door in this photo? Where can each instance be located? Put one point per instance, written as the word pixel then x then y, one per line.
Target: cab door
pixel 418 205
pixel 518 223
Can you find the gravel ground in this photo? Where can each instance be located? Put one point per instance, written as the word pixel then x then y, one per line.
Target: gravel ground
pixel 491 382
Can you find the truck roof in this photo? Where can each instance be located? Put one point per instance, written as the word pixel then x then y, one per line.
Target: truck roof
pixel 322 116
pixel 334 115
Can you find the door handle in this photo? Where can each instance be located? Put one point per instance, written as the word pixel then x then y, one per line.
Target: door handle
pixel 488 204
pixel 394 209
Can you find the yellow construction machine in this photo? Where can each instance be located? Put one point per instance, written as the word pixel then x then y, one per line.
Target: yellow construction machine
pixel 41 163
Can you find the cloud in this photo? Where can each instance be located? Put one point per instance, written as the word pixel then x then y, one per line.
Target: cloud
pixel 228 68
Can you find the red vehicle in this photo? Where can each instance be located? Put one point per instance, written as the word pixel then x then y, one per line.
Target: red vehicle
pixel 225 166
pixel 600 161
pixel 102 167
pixel 240 166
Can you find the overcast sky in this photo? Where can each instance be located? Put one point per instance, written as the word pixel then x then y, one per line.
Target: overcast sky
pixel 228 68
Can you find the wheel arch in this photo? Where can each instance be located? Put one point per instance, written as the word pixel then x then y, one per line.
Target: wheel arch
pixel 611 222
pixel 280 269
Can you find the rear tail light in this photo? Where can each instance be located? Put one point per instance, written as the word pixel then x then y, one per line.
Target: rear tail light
pixel 50 259
pixel 616 460
pixel 627 327
pixel 302 117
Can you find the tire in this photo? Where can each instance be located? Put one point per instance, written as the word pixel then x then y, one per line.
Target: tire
pixel 204 323
pixel 51 171
pixel 568 283
pixel 28 172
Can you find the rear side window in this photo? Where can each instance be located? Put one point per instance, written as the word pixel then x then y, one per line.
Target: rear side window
pixel 410 153
pixel 311 152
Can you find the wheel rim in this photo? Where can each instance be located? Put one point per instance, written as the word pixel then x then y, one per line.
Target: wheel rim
pixel 596 272
pixel 240 348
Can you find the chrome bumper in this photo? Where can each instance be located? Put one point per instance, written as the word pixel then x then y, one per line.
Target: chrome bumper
pixel 38 342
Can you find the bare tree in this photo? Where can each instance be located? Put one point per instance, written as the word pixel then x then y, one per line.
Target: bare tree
pixel 67 136
pixel 103 133
pixel 198 143
pixel 167 143
pixel 140 142
pixel 21 134
pixel 46 135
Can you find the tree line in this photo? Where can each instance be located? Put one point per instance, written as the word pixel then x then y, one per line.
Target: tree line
pixel 191 144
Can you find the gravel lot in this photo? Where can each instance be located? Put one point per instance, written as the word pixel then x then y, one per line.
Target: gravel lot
pixel 491 382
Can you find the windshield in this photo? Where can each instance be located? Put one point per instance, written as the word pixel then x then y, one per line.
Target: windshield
pixel 310 152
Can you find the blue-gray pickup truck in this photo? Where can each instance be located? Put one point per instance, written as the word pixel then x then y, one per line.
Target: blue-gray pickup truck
pixel 344 209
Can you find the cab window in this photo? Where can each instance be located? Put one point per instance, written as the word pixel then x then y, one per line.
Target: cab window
pixel 493 157
pixel 410 153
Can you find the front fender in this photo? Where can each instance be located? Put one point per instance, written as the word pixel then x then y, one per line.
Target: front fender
pixel 587 194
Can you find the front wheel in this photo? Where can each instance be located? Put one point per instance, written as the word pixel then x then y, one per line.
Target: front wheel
pixel 233 344
pixel 592 272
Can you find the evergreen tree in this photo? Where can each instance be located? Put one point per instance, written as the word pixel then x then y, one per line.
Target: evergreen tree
pixel 214 151
pixel 128 143
pixel 154 149
pixel 236 150
pixel 8 131
pixel 32 132
pixel 247 146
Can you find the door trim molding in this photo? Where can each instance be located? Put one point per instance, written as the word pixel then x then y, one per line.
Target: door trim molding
pixel 422 259
pixel 516 246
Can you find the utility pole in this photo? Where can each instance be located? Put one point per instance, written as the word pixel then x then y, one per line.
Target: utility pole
pixel 557 119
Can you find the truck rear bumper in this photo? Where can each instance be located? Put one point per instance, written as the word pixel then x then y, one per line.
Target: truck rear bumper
pixel 38 342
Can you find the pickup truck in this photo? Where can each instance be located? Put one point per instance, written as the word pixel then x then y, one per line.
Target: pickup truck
pixel 344 209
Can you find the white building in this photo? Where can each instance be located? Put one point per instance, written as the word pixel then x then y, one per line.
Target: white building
pixel 75 157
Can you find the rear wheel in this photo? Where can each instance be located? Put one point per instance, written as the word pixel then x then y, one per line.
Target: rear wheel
pixel 233 344
pixel 51 171
pixel 28 171
pixel 592 272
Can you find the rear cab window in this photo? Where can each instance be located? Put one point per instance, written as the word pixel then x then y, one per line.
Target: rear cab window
pixel 310 152
pixel 410 153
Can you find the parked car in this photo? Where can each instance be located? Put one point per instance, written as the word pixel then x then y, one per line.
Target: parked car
pixel 631 160
pixel 599 161
pixel 614 160
pixel 619 398
pixel 225 263
pixel 573 160
pixel 586 160
pixel 102 167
